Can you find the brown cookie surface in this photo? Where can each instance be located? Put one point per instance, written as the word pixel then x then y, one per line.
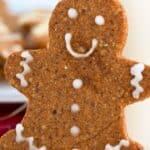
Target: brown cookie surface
pixel 77 94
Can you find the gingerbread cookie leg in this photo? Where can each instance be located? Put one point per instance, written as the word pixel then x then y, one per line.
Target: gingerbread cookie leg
pixel 10 136
pixel 118 138
pixel 114 138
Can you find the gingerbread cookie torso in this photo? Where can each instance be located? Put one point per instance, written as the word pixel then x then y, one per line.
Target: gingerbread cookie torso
pixel 78 87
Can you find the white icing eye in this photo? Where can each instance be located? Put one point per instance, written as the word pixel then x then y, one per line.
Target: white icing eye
pixel 99 20
pixel 72 13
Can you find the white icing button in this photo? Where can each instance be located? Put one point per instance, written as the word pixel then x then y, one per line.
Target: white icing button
pixel 99 20
pixel 77 83
pixel 65 67
pixel 75 108
pixel 75 131
pixel 72 13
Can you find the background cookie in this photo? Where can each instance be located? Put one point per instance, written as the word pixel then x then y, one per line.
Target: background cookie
pixel 8 25
pixel 1 68
pixel 7 17
pixel 38 36
pixel 3 30
pixel 79 86
pixel 10 43
pixel 31 27
pixel 34 26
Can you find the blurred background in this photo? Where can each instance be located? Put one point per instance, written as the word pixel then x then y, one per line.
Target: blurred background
pixel 28 5
pixel 23 29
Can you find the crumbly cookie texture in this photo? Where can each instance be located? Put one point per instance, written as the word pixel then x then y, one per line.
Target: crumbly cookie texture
pixel 79 86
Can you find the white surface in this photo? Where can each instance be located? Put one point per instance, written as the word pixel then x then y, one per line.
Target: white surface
pixel 138 47
pixel 9 94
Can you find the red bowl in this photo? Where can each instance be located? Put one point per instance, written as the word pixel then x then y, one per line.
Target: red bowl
pixel 10 123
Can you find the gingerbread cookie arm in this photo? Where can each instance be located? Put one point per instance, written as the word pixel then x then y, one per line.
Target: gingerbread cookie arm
pixel 136 79
pixel 146 82
pixel 18 69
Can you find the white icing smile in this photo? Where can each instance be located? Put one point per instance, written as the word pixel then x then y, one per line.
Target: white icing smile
pixel 68 37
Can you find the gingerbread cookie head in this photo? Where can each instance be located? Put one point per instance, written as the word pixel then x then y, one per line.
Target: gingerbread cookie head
pixel 83 26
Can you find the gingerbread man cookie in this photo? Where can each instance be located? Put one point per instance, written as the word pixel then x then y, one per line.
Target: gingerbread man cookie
pixel 78 87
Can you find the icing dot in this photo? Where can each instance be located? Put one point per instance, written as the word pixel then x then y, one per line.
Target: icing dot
pixel 77 83
pixel 75 108
pixel 75 131
pixel 72 13
pixel 65 67
pixel 99 20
